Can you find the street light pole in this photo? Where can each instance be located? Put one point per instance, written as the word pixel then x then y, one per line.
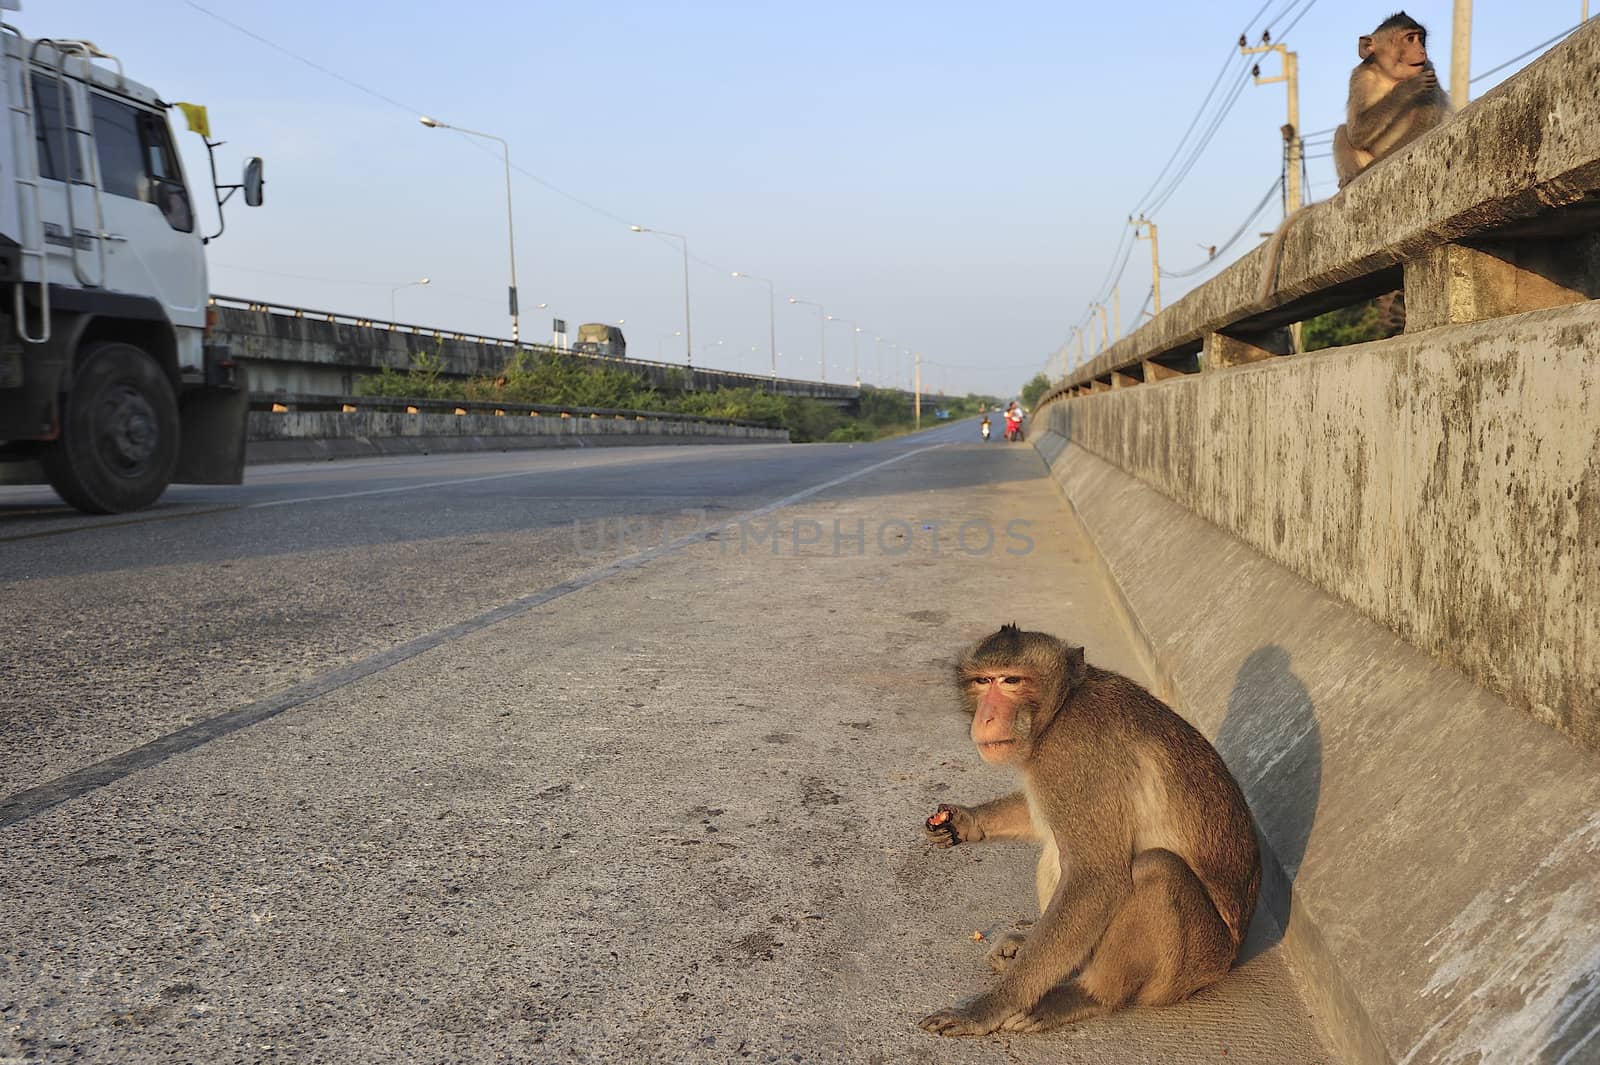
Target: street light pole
pixel 772 321
pixel 916 389
pixel 855 350
pixel 688 345
pixel 822 335
pixel 511 238
pixel 397 288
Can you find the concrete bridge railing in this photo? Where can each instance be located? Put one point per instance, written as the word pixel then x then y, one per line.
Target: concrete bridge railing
pixel 1372 573
pixel 293 350
pixel 1445 482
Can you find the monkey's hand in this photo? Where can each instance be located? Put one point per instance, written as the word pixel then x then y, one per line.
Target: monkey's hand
pixel 1424 83
pixel 980 1016
pixel 950 825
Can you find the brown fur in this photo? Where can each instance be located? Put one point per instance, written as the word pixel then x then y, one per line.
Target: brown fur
pixel 1395 97
pixel 1149 871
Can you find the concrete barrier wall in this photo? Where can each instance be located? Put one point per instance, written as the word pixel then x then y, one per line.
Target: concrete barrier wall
pixel 294 436
pixel 1434 855
pixel 1446 483
pixel 321 354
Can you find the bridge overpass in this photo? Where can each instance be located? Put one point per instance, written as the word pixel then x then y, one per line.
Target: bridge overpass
pixel 1373 572
pixel 298 351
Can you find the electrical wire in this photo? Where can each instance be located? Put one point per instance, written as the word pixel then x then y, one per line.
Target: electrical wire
pixel 398 105
pixel 1124 246
pixel 1286 30
pixel 1205 140
pixel 1232 240
pixel 1524 55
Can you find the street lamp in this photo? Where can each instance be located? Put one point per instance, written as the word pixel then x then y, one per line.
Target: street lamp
pixel 688 347
pixel 855 349
pixel 772 319
pixel 397 288
pixel 511 240
pixel 822 335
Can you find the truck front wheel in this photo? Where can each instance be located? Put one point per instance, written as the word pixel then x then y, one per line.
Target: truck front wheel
pixel 118 447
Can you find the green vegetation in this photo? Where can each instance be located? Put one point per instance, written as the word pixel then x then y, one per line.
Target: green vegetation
pixel 1355 324
pixel 546 378
pixel 1034 391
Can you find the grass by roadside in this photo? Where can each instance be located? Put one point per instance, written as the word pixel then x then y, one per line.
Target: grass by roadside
pixel 535 377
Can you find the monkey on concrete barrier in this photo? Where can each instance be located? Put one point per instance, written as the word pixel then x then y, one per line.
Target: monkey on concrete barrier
pixel 1149 868
pixel 1395 96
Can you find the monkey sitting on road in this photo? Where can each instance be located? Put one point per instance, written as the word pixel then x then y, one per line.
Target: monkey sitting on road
pixel 1149 869
pixel 1394 96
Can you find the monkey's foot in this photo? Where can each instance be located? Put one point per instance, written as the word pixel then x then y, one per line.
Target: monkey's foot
pixel 1005 951
pixel 958 1021
pixel 1062 1006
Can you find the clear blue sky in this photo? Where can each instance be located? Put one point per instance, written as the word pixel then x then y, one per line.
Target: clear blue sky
pixel 956 178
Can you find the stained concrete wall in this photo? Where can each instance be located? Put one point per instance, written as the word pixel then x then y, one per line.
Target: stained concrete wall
pixel 1433 856
pixel 311 355
pixel 1446 483
pixel 294 436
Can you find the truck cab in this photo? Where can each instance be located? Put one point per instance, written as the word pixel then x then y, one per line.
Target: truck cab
pixel 109 388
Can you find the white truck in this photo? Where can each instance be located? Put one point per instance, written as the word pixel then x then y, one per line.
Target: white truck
pixel 109 387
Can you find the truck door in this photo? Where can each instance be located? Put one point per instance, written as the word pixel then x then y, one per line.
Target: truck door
pixel 153 244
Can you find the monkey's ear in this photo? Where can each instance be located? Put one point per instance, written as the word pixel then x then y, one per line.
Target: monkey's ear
pixel 1364 46
pixel 1073 668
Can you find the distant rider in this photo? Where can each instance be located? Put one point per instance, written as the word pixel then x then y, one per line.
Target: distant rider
pixel 984 428
pixel 1013 421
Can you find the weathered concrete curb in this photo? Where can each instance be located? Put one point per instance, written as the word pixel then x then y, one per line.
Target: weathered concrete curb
pixel 1438 851
pixel 300 436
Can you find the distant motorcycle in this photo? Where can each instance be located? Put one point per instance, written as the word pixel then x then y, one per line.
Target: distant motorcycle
pixel 1014 432
pixel 985 428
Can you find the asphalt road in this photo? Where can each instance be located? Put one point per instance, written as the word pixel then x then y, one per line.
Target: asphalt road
pixel 610 755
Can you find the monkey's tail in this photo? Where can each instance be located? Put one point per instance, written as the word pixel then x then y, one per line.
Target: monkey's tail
pixel 1269 270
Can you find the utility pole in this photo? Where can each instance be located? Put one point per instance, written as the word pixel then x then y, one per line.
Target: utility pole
pixel 916 388
pixel 1116 311
pixel 1461 51
pixel 1291 132
pixel 1155 254
pixel 1105 328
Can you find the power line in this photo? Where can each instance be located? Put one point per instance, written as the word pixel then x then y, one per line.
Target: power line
pixel 397 104
pixel 1124 246
pixel 1232 56
pixel 1205 141
pixel 1234 239
pixel 1524 55
pixel 1309 5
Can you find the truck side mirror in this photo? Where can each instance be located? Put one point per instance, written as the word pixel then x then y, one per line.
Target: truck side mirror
pixel 252 182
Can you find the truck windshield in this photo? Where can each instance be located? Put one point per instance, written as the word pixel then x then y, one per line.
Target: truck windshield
pixel 137 160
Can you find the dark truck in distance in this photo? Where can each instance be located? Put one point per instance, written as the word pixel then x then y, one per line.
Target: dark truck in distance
pixel 597 339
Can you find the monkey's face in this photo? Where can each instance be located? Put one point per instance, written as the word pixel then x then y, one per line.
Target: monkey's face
pixel 1003 703
pixel 1402 53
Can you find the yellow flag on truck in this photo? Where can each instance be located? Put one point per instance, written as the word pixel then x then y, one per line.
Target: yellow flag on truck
pixel 198 121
